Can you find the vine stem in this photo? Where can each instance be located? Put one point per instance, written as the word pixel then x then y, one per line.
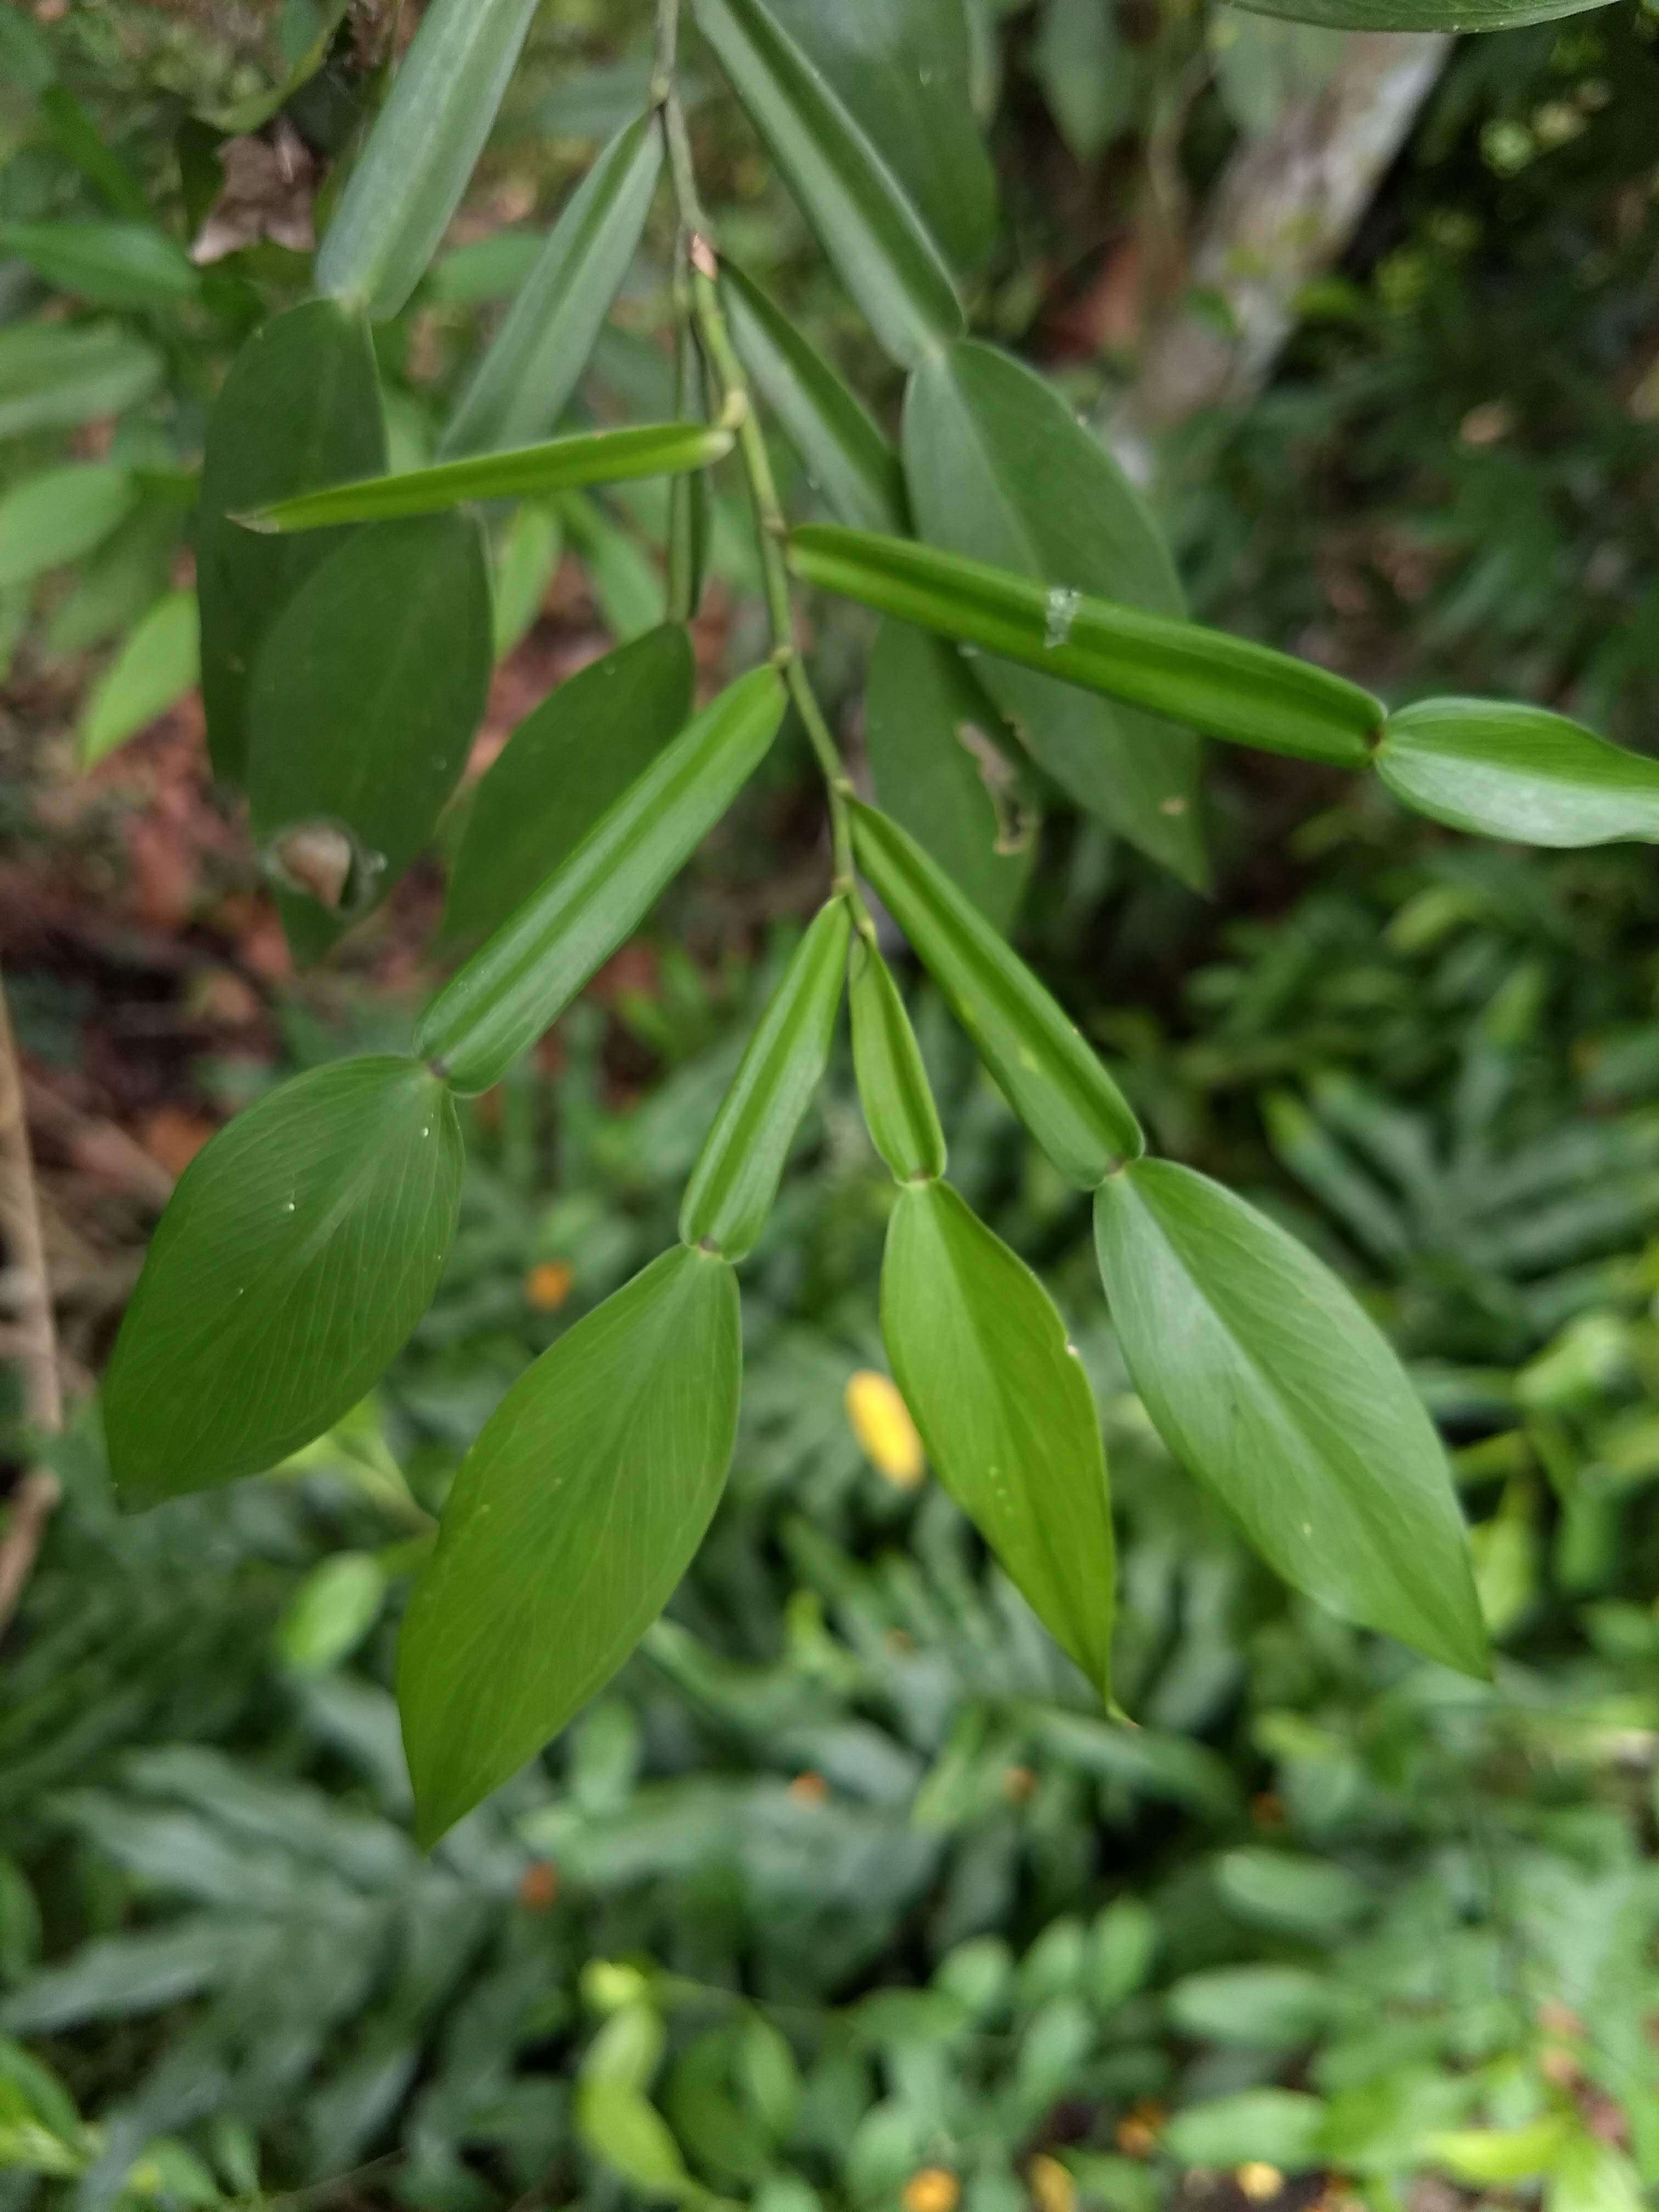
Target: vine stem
pixel 37 1496
pixel 738 414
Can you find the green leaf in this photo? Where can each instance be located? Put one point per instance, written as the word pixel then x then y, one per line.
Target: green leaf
pixel 364 701
pixel 1265 1378
pixel 60 515
pixel 627 2133
pixel 523 978
pixel 1005 1413
pixel 537 360
pixel 847 460
pixel 1281 2127
pixel 1272 2007
pixel 944 765
pixel 54 379
pixel 1314 1898
pixel 1422 15
pixel 1501 770
pixel 691 498
pixel 158 665
pixel 301 407
pixel 120 582
pixel 252 113
pixel 300 1249
pixel 409 178
pixel 1591 2176
pixel 849 195
pixel 651 449
pixel 1051 1078
pixel 1086 72
pixel 526 564
pixel 1497 2156
pixel 737 1174
pixel 1228 687
pixel 563 769
pixel 901 69
pixel 998 467
pixel 571 1521
pixel 79 137
pixel 331 1612
pixel 624 580
pixel 117 264
pixel 893 1087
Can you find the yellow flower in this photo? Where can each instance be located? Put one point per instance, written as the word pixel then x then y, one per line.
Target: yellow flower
pixel 881 1421
pixel 1259 2181
pixel 1053 2189
pixel 934 2188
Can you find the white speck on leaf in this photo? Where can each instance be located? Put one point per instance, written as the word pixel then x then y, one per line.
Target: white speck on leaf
pixel 1060 614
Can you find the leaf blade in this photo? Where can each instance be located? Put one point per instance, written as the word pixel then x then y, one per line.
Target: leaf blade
pixel 159 664
pixel 893 1087
pixel 1498 769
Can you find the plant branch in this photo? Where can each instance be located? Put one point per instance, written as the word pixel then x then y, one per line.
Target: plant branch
pixel 37 1496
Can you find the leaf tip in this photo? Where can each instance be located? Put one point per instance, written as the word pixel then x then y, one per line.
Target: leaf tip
pixel 262 520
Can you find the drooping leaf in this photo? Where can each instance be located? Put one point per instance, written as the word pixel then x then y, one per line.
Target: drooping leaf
pixel 864 221
pixel 691 498
pixel 1229 687
pixel 1503 770
pixel 409 178
pixel 1265 1379
pixel 846 457
pixel 1422 15
pixel 1005 1413
pixel 365 698
pixel 525 564
pixel 893 1087
pixel 572 1517
pixel 301 407
pixel 115 265
pixel 300 1247
pixel 998 467
pixel 901 70
pixel 563 769
pixel 54 379
pixel 526 974
pixel 738 1172
pixel 944 766
pixel 522 384
pixel 1051 1078
pixel 651 449
pixel 157 666
pixel 60 515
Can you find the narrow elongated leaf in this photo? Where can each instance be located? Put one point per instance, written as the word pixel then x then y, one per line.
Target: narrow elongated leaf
pixel 893 1087
pixel 411 176
pixel 1005 1413
pixel 54 378
pixel 998 467
pixel 1502 771
pixel 60 515
pixel 1051 1078
pixel 653 449
pixel 526 562
pixel 365 699
pixel 300 1247
pixel 301 407
pixel 1267 1380
pixel 901 69
pixel 1422 15
pixel 523 978
pixel 847 191
pixel 846 457
pixel 738 1171
pixel 1227 686
pixel 943 764
pixel 572 1517
pixel 562 768
pixel 157 666
pixel 79 137
pixel 119 264
pixel 537 358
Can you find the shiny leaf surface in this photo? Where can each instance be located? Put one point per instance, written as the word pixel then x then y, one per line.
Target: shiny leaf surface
pixel 893 1087
pixel 1502 771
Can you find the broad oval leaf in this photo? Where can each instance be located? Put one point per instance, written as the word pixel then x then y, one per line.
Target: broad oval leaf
pixel 572 1517
pixel 157 666
pixel 526 974
pixel 1502 771
pixel 364 701
pixel 847 191
pixel 537 357
pixel 893 1086
pixel 562 768
pixel 54 379
pixel 651 449
pixel 1264 1377
pixel 117 264
pixel 410 177
pixel 1050 1077
pixel 59 515
pixel 301 407
pixel 847 460
pixel 1456 15
pixel 1226 686
pixel 903 69
pixel 1005 1413
pixel 943 764
pixel 738 1172
pixel 300 1249
pixel 998 467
